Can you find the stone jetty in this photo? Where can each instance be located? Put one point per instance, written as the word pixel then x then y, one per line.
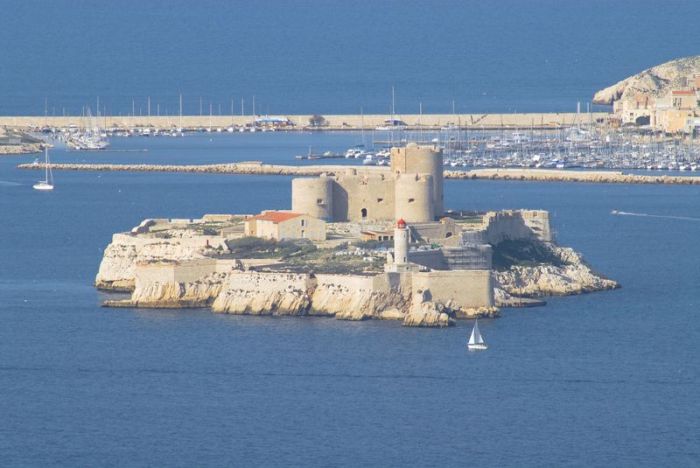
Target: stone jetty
pixel 330 121
pixel 258 168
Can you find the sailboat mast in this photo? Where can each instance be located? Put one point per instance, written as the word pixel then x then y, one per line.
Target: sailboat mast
pixel 46 163
pixel 362 125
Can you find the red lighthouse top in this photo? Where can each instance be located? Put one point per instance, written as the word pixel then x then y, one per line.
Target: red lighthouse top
pixel 401 224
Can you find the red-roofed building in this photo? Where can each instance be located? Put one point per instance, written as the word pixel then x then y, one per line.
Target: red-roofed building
pixel 281 225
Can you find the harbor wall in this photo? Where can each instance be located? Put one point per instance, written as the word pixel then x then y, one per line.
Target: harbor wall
pixel 347 122
pixel 537 175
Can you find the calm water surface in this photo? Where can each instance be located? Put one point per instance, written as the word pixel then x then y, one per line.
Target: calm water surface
pixel 608 378
pixel 330 56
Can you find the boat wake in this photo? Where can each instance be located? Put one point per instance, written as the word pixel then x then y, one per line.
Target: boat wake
pixel 647 215
pixel 7 183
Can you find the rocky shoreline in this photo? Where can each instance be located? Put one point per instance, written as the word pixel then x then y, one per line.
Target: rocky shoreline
pixel 250 287
pixel 16 150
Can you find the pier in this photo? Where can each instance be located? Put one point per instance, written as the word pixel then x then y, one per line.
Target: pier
pixel 303 121
pixel 257 168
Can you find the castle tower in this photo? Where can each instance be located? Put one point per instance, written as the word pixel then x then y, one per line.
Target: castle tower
pixel 313 196
pixel 422 160
pixel 401 243
pixel 413 198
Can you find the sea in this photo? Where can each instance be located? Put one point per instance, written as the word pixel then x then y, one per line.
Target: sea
pixel 329 56
pixel 603 379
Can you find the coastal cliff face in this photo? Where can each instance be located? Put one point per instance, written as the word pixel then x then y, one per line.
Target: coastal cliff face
pixel 164 295
pixel 117 269
pixel 182 269
pixel 348 298
pixel 252 293
pixel 655 81
pixel 570 276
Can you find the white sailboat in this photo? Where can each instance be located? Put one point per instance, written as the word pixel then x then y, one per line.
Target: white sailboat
pixel 47 183
pixel 476 341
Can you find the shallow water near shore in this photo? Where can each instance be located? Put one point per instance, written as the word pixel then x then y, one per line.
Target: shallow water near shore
pixel 594 379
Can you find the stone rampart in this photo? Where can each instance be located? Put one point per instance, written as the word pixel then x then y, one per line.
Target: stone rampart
pixel 460 290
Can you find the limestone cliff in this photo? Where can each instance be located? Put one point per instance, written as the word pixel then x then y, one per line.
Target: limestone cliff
pixel 571 275
pixel 655 81
pixel 252 293
pixel 200 293
pixel 425 313
pixel 356 303
pixel 180 263
pixel 116 272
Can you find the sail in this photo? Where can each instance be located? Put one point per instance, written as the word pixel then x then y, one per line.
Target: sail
pixel 475 337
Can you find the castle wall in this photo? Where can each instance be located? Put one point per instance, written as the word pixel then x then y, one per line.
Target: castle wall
pixel 446 232
pixel 173 272
pixel 511 225
pixel 538 221
pixel 413 190
pixel 466 289
pixel 354 193
pixel 414 198
pixel 313 196
pixel 414 159
pixel 151 273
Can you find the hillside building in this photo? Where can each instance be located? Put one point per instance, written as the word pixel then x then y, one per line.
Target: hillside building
pixel 281 225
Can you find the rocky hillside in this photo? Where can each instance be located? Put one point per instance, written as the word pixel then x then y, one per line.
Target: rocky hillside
pixel 655 81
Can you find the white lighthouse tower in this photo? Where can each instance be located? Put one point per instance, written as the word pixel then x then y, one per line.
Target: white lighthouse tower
pixel 401 243
pixel 399 261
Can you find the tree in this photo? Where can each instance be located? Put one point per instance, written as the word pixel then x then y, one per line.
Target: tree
pixel 317 120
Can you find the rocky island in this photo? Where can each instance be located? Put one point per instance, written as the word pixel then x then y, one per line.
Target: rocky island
pixel 654 82
pixel 664 98
pixel 354 246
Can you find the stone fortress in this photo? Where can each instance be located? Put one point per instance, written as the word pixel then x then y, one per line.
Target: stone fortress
pixel 412 190
pixel 440 267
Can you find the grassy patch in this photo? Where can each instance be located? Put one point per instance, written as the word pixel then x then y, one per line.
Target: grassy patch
pixel 255 247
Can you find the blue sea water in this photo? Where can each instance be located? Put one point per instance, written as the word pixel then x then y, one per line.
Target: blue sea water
pixel 330 56
pixel 597 380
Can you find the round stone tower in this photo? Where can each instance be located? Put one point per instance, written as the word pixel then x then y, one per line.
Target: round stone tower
pixel 414 159
pixel 413 199
pixel 401 243
pixel 313 196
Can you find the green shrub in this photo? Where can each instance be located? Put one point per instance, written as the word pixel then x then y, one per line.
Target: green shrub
pixel 523 253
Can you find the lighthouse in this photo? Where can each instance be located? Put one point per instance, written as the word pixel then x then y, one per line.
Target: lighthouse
pixel 401 243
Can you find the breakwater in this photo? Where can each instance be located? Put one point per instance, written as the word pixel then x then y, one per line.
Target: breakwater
pixel 329 122
pixel 257 168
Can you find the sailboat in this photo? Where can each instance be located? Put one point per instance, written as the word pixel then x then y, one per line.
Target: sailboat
pixel 476 342
pixel 47 183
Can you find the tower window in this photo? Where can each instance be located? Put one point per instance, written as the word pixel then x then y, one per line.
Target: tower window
pixel 411 200
pixel 363 212
pixel 319 201
pixel 379 200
